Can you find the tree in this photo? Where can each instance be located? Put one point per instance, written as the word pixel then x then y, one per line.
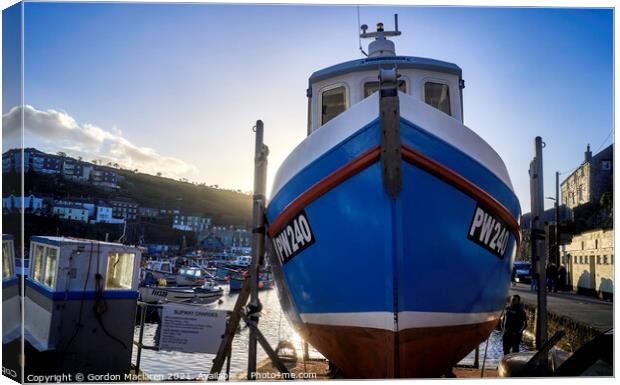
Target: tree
pixel 158 174
pixel 62 154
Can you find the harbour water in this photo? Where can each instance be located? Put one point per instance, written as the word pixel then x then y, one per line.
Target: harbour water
pixel 275 327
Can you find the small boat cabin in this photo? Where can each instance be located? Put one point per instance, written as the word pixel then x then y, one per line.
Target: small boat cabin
pixel 80 300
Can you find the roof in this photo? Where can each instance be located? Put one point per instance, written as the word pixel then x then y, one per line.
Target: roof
pixel 68 206
pixel 374 62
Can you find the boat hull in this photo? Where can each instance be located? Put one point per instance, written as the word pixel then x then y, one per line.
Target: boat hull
pixel 393 287
pixel 156 294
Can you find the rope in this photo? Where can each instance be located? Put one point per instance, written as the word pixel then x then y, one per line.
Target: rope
pixel 484 360
pixel 79 325
pixel 101 307
pixel 605 141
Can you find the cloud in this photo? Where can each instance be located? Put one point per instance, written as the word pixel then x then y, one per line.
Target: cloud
pixel 58 131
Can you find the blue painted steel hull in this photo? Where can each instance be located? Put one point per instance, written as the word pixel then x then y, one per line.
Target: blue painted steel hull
pixel 405 257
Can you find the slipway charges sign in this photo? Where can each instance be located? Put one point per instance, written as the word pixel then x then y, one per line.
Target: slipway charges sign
pixel 191 329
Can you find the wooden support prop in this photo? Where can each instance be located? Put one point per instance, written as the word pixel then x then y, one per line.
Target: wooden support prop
pixel 231 328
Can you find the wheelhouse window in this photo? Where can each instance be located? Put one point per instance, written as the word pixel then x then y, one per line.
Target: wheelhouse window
pixel 38 262
pixel 50 266
pixel 438 96
pixel 6 261
pixel 120 271
pixel 333 103
pixel 372 87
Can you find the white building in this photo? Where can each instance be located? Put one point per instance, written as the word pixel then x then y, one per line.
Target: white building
pixel 589 262
pixel 104 215
pixel 190 223
pixel 81 202
pixel 72 212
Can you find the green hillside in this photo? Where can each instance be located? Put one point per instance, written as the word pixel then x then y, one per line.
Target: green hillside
pixel 225 207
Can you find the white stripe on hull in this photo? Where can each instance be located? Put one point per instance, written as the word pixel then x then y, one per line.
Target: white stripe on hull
pixel 417 112
pixel 406 319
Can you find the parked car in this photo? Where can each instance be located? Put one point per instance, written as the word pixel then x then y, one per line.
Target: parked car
pixel 523 271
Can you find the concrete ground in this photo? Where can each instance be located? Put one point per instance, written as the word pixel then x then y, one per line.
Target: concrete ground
pixel 591 311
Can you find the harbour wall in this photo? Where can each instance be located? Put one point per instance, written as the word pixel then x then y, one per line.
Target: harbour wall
pixel 577 333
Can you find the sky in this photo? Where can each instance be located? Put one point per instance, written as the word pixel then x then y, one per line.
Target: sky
pixel 176 88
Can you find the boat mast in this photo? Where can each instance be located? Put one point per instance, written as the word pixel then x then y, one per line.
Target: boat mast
pixel 381 46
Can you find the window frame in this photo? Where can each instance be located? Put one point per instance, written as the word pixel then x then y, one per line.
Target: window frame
pixel 11 259
pixel 438 81
pixel 33 261
pixel 131 276
pixel 347 100
pixel 374 79
pixel 33 265
pixel 54 274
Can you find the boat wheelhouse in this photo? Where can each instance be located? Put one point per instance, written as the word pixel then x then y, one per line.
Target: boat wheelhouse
pixel 80 298
pixel 160 269
pixel 192 276
pixel 390 184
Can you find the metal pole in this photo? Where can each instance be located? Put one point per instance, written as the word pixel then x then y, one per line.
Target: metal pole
pixel 140 338
pixel 258 241
pixel 538 240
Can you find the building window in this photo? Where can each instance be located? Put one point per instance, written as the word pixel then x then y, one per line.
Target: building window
pixel 581 259
pixel 50 267
pixel 598 259
pixel 606 165
pixel 120 271
pixel 372 87
pixel 605 260
pixel 333 103
pixel 438 96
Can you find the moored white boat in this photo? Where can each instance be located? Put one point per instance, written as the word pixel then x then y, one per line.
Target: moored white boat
pixel 159 269
pixel 390 184
pixel 192 276
pixel 204 294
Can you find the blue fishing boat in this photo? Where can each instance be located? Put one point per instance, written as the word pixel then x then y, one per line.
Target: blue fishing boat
pixel 390 184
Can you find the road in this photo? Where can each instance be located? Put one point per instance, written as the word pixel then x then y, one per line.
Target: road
pixel 594 312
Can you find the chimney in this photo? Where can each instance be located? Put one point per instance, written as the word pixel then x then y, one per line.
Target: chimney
pixel 588 154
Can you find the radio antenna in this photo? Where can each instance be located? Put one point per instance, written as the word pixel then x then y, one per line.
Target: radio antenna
pixel 363 28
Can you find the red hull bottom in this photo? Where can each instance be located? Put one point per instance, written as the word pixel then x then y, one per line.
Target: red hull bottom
pixel 412 353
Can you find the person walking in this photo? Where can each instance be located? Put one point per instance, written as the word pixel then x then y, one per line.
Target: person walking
pixel 514 323
pixel 552 277
pixel 562 278
pixel 513 276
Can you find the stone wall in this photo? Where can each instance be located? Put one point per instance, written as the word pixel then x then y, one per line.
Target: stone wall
pixel 576 335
